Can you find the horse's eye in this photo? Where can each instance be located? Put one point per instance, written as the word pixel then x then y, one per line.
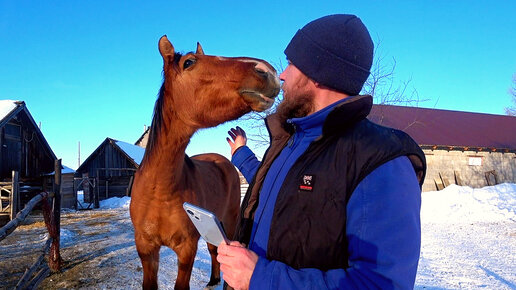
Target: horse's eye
pixel 188 63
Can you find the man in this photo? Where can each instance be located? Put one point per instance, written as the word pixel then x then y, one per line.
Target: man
pixel 335 202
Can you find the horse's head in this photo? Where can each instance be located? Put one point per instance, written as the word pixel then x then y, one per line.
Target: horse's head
pixel 204 91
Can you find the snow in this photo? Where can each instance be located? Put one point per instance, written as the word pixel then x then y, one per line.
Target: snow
pixel 115 202
pixel 468 241
pixel 6 106
pixel 65 170
pixel 470 205
pixel 468 238
pixel 133 151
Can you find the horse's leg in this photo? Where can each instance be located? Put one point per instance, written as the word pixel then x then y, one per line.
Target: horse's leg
pixel 150 263
pixel 185 258
pixel 215 267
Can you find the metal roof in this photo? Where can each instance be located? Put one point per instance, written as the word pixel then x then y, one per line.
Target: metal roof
pixel 445 129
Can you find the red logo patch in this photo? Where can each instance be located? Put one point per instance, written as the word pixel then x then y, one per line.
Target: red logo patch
pixel 307 183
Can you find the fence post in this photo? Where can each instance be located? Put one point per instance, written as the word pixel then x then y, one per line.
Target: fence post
pixel 15 195
pixel 97 192
pixel 55 260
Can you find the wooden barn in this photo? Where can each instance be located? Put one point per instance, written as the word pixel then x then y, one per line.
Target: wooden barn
pixel 144 138
pixel 23 150
pixel 109 170
pixel 464 148
pixel 67 190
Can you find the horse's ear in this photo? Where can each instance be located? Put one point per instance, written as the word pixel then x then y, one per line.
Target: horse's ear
pixel 199 49
pixel 165 47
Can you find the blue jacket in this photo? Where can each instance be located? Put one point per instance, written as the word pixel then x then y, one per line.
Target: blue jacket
pixel 382 227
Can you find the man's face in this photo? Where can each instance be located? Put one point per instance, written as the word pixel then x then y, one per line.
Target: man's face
pixel 298 95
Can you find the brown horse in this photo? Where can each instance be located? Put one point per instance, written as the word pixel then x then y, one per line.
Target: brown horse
pixel 198 91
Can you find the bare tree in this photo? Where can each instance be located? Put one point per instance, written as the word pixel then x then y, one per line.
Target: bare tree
pixel 384 87
pixel 511 111
pixel 381 84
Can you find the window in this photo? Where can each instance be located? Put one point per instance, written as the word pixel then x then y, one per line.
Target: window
pixel 475 161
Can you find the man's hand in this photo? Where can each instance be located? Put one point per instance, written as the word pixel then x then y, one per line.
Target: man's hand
pixel 238 139
pixel 237 264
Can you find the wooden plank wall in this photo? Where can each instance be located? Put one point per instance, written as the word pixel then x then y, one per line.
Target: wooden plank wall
pixel 67 191
pixel 108 158
pixel 110 183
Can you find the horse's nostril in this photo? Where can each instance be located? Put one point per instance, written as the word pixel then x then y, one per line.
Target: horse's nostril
pixel 261 70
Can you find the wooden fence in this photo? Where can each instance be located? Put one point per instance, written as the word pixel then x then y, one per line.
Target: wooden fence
pixel 10 197
pixel 52 217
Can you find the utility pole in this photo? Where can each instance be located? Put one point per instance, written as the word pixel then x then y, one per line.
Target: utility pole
pixel 79 155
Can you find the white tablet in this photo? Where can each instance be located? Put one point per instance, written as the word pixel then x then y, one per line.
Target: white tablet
pixel 207 224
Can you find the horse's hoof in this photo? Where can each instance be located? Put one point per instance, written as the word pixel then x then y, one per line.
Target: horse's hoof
pixel 212 284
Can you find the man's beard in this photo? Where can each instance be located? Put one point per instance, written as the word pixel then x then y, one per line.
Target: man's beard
pixel 295 107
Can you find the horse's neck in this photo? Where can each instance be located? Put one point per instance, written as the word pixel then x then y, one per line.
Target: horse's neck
pixel 168 157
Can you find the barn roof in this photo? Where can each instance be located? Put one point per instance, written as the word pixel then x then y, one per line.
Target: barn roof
pixel 65 170
pixel 133 153
pixel 450 130
pixel 145 132
pixel 6 107
pixel 10 108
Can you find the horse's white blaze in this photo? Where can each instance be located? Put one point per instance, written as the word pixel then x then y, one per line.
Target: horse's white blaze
pixel 259 65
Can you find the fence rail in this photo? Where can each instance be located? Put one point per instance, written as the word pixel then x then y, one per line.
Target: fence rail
pixel 52 217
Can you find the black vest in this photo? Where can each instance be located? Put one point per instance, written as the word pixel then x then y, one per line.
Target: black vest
pixel 308 228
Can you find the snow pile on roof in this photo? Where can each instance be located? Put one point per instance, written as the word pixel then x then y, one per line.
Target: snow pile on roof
pixel 67 169
pixel 465 204
pixel 133 151
pixel 6 106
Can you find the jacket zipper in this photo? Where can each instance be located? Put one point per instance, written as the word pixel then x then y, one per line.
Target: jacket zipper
pixel 292 138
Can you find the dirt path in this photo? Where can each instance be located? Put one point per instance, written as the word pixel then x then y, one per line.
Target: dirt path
pixel 98 252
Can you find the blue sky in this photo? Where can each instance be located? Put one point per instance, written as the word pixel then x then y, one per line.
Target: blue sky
pixel 88 70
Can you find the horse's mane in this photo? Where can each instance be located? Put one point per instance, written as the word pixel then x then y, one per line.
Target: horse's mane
pixel 157 118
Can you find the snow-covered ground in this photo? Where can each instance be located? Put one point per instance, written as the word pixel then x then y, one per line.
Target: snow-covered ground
pixel 468 242
pixel 468 238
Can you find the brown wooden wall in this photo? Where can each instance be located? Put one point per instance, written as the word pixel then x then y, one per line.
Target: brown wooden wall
pixel 67 191
pixel 22 149
pixel 108 158
pixel 110 182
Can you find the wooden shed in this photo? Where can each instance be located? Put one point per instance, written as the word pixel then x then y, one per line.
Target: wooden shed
pixel 67 190
pixel 144 138
pixel 108 171
pixel 464 148
pixel 23 149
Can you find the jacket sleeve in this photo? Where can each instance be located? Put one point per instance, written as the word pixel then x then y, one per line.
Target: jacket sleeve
pixel 384 238
pixel 245 160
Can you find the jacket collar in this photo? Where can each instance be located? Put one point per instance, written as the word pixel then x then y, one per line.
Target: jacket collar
pixel 348 112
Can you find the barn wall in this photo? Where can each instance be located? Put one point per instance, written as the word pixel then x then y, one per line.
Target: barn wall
pixel 67 191
pixel 144 140
pixel 109 158
pixel 23 150
pixel 11 149
pixel 447 162
pixel 108 183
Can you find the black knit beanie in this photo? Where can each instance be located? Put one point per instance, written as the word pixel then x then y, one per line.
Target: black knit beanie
pixel 335 51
